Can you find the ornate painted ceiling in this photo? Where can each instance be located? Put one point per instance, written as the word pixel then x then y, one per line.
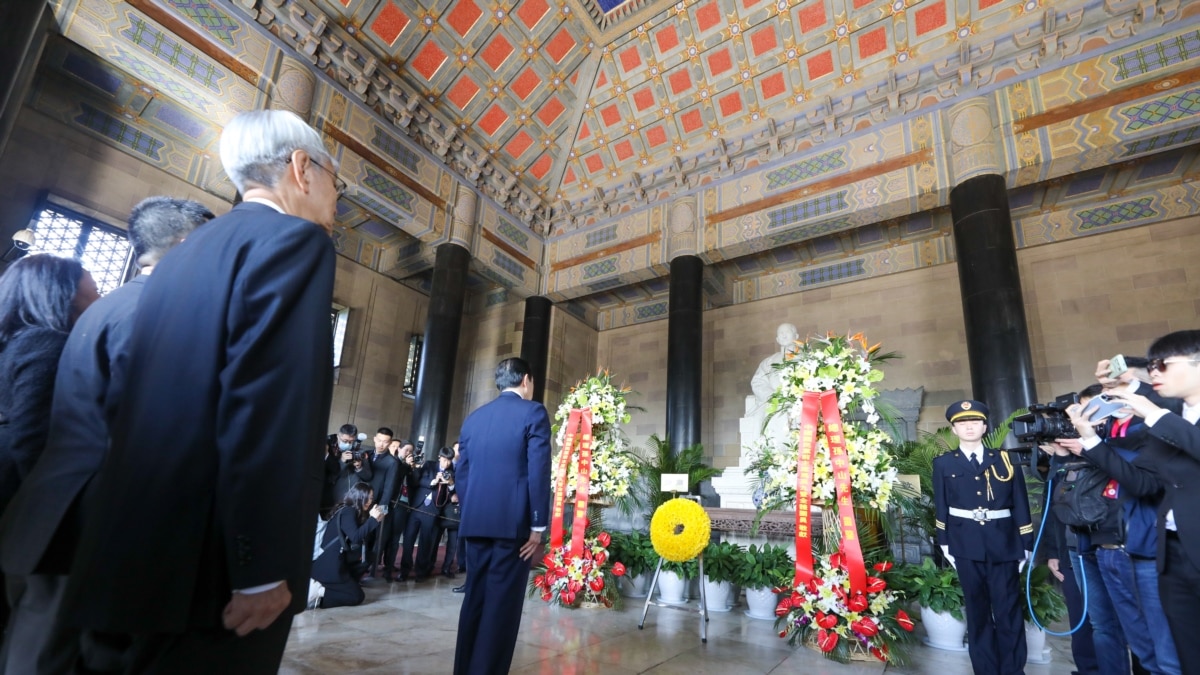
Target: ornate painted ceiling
pixel 808 139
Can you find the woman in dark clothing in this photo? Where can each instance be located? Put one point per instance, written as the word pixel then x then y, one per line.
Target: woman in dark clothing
pixel 341 564
pixel 41 296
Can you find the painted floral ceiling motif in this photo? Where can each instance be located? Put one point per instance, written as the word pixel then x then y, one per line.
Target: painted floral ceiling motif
pixel 573 99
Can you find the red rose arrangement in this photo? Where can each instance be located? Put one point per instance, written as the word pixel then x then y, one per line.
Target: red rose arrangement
pixel 822 612
pixel 588 578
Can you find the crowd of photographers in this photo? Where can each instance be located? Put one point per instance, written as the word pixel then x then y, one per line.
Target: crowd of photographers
pixel 1122 454
pixel 380 503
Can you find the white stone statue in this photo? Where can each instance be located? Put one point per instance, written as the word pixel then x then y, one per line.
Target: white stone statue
pixel 734 485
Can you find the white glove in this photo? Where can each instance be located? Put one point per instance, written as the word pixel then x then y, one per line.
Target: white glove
pixel 949 558
pixel 1028 557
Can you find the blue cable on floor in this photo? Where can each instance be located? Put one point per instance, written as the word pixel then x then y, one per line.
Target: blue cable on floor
pixel 1029 577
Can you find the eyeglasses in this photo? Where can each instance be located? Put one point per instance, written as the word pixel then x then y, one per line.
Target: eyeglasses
pixel 1160 365
pixel 338 184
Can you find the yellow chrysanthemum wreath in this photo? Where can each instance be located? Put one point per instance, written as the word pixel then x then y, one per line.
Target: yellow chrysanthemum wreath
pixel 680 530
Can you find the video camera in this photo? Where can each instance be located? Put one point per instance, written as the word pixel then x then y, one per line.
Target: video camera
pixel 1046 422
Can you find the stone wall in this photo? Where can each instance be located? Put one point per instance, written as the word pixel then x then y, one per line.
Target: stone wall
pixel 1086 299
pixel 384 314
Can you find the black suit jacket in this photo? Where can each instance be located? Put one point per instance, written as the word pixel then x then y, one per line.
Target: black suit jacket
pixel 27 370
pixel 384 470
pixel 214 474
pixel 44 515
pixel 503 473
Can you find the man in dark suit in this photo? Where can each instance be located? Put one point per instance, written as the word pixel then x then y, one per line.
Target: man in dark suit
pixel 201 548
pixel 384 469
pixel 985 530
pixel 1169 460
pixel 41 525
pixel 503 477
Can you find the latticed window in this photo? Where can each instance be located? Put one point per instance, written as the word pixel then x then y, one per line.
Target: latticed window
pixel 104 251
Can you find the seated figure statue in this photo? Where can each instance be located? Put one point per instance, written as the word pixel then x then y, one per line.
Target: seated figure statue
pixel 735 485
pixel 766 382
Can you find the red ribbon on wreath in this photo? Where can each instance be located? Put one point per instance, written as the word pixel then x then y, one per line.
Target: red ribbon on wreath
pixel 578 432
pixel 825 404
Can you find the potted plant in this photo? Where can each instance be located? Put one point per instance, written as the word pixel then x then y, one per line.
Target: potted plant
pixel 1048 607
pixel 760 571
pixel 940 596
pixel 720 569
pixel 636 553
pixel 673 581
pixel 645 493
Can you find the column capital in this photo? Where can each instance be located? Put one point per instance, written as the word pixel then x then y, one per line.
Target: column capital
pixel 292 87
pixel 464 217
pixel 973 142
pixel 681 231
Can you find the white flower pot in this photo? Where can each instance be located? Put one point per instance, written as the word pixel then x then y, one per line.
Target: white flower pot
pixel 1035 643
pixel 761 603
pixel 672 588
pixel 718 595
pixel 635 587
pixel 943 631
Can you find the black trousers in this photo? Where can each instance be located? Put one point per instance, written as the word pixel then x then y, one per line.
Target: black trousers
pixel 490 618
pixel 399 515
pixel 348 594
pixel 422 527
pixel 38 640
pixel 995 623
pixel 1179 589
pixel 211 650
pixel 379 550
pixel 451 550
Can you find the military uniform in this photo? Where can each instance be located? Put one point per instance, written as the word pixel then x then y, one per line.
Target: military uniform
pixel 983 518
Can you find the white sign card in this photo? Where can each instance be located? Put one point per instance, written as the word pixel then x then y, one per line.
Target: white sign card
pixel 674 482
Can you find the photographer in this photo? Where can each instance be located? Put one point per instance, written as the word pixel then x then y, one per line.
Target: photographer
pixel 1168 461
pixel 345 439
pixel 341 564
pixel 354 465
pixel 398 509
pixel 422 522
pixel 445 498
pixel 1123 605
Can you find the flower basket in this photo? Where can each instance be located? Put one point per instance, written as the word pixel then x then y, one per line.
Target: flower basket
pixel 613 467
pixel 589 579
pixel 847 366
pixel 823 611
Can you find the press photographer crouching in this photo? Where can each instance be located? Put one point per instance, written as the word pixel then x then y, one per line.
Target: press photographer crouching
pixel 1116 541
pixel 1166 463
pixel 342 563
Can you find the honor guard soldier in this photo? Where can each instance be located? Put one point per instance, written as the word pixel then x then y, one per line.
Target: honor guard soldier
pixel 985 531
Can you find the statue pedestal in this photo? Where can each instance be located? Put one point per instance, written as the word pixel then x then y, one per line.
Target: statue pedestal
pixel 736 485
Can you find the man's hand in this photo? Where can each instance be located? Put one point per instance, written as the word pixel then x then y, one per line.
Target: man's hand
pixel 1080 417
pixel 1073 446
pixel 1054 448
pixel 246 613
pixel 1104 374
pixel 1053 565
pixel 532 547
pixel 1141 406
pixel 347 456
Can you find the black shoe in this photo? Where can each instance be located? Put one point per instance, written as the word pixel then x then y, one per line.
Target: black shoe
pixel 459 589
pixel 402 578
pixel 448 574
pixel 388 577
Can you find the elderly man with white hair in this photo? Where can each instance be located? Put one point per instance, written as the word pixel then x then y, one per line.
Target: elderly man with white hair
pixel 198 537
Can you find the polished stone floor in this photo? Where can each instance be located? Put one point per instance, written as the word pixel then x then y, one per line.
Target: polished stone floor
pixel 410 628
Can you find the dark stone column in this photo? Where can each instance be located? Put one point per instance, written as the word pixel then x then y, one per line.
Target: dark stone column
pixel 431 410
pixel 535 341
pixel 684 348
pixel 24 26
pixel 993 310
